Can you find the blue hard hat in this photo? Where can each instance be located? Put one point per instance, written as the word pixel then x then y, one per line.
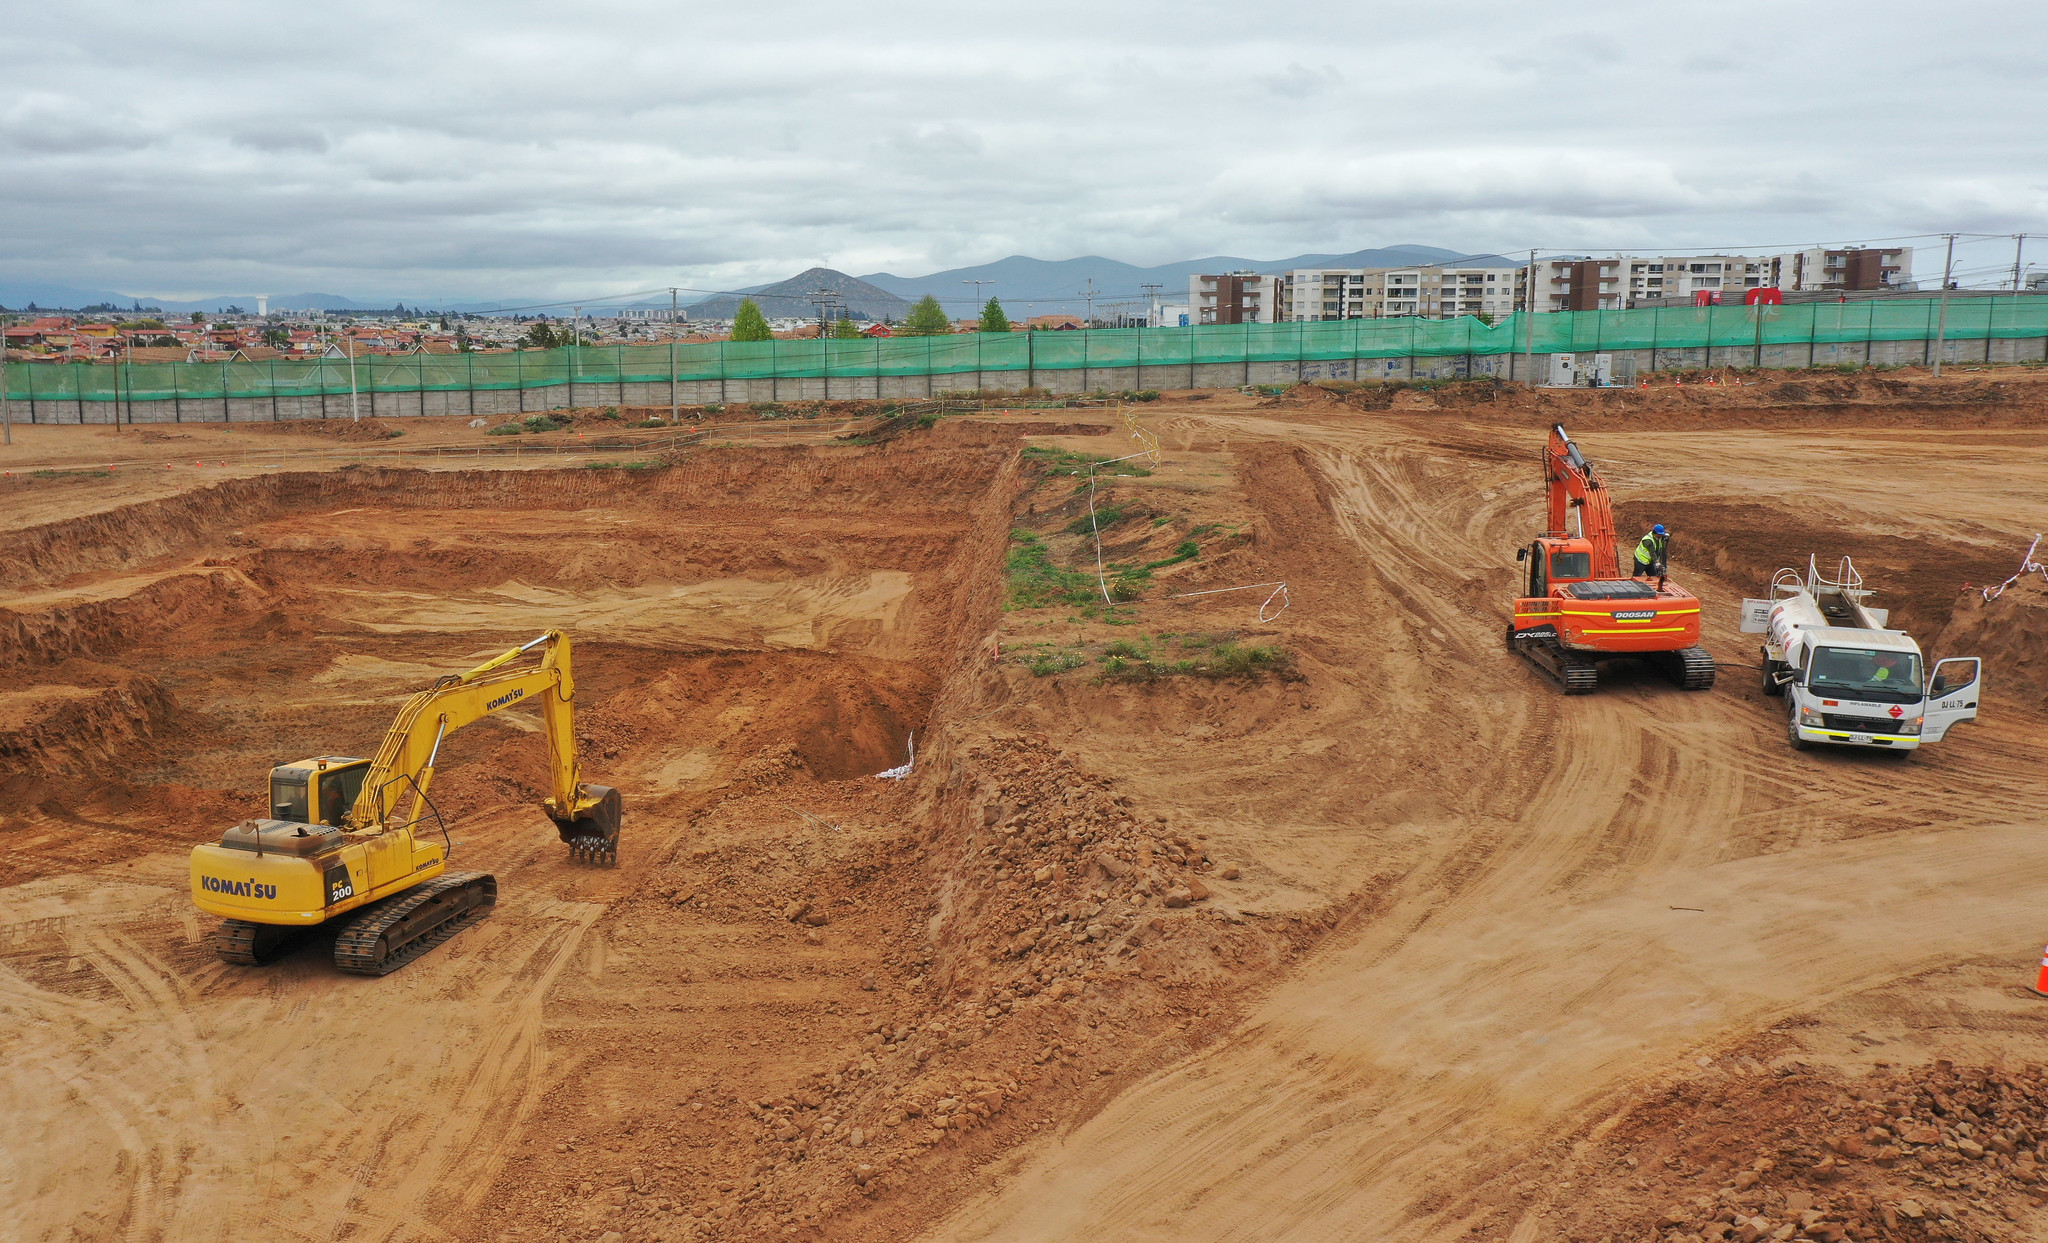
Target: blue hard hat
pixel 1658 529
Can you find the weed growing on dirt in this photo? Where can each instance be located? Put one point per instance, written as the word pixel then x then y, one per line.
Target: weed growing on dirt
pixel 1162 520
pixel 620 465
pixel 1143 658
pixel 1187 550
pixel 545 422
pixel 1035 582
pixel 714 408
pixel 70 474
pixel 609 412
pixel 1105 517
pixel 649 423
pixel 1046 664
pixel 505 429
pixel 1052 459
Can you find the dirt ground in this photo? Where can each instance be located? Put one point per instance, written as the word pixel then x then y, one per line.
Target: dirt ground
pixel 1294 910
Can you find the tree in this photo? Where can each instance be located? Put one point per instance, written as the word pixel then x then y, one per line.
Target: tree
pixel 844 330
pixel 993 319
pixel 748 324
pixel 927 319
pixel 277 337
pixel 542 337
pixel 197 318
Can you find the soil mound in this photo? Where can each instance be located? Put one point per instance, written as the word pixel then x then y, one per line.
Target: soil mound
pixel 1931 1152
pixel 2010 632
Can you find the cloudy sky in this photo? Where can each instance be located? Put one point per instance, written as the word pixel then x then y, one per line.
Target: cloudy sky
pixel 448 152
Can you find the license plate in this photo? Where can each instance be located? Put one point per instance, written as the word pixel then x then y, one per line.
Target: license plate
pixel 1859 738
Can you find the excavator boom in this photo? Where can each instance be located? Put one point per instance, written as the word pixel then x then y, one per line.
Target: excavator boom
pixel 1572 484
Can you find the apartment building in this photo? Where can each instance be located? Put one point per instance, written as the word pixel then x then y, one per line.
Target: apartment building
pixel 1849 268
pixel 1617 282
pixel 1375 293
pixel 1233 298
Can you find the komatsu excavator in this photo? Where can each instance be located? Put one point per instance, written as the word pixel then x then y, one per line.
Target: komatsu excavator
pixel 1578 609
pixel 346 836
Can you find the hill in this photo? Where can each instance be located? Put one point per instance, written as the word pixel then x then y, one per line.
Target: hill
pixel 1028 285
pixel 796 297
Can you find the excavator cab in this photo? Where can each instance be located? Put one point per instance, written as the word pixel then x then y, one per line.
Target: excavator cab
pixel 317 791
pixel 1556 561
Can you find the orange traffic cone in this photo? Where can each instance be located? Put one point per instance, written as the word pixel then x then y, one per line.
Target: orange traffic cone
pixel 2041 981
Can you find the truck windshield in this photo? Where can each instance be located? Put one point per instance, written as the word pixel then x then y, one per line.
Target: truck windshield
pixel 1866 673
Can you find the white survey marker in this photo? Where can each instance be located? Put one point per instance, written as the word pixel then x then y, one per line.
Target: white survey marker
pixel 1846 679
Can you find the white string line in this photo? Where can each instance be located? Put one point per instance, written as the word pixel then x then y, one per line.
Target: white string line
pixel 1095 527
pixel 1280 592
pixel 2027 566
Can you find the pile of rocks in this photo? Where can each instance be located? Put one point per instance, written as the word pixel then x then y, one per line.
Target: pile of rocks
pixel 1791 1152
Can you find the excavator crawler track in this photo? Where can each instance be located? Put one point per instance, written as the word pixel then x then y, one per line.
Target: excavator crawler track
pixel 1692 668
pixel 1574 672
pixel 394 932
pixel 248 944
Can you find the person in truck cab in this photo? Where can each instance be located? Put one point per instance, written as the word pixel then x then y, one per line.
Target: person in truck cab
pixel 1652 552
pixel 1887 668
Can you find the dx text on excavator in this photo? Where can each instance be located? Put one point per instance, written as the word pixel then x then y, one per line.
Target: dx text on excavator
pixel 347 838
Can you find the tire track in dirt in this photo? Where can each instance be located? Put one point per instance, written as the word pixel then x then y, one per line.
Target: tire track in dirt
pixel 1528 969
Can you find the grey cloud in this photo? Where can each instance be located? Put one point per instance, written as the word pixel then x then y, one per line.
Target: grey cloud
pixel 281 141
pixel 514 149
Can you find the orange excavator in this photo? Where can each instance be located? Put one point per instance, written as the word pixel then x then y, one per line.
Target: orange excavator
pixel 1578 609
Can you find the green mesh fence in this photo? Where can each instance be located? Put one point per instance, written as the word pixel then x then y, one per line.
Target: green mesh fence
pixel 1820 323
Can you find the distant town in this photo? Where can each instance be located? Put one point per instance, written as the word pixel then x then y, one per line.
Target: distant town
pixel 1487 289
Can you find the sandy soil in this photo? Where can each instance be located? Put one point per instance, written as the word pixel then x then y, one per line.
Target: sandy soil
pixel 1231 916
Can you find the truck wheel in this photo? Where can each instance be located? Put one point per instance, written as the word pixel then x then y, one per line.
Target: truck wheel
pixel 1792 728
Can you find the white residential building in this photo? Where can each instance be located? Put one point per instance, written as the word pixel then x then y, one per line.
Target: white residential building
pixel 1618 281
pixel 1375 293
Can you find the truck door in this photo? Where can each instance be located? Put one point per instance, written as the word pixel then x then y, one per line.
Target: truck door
pixel 1952 695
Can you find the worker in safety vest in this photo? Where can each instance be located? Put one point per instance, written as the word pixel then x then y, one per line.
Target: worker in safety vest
pixel 1651 552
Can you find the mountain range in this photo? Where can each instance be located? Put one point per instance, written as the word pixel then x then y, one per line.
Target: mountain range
pixel 1024 285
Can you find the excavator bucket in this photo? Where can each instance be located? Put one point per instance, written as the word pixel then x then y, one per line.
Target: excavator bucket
pixel 593 835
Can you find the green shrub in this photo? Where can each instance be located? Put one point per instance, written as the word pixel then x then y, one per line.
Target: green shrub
pixel 505 429
pixel 550 422
pixel 649 423
pixel 1035 582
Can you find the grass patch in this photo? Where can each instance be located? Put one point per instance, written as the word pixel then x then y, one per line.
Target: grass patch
pixel 505 429
pixel 70 474
pixel 1145 658
pixel 545 422
pixel 1053 460
pixel 1036 583
pixel 649 423
pixel 1103 518
pixel 619 465
pixel 1187 551
pixel 1046 664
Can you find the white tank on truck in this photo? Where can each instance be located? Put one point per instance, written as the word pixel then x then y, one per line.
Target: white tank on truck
pixel 1847 679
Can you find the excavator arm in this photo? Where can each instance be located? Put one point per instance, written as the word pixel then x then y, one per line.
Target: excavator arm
pixel 397 782
pixel 1573 484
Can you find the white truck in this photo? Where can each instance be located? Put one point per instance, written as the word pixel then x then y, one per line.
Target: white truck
pixel 1846 678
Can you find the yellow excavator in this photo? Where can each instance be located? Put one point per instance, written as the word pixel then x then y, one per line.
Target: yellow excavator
pixel 346 835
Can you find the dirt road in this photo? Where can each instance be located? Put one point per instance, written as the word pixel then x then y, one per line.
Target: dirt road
pixel 1377 939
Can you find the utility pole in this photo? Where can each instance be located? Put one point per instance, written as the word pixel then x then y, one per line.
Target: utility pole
pixel 6 415
pixel 2019 243
pixel 355 411
pixel 1089 294
pixel 1151 293
pixel 824 300
pixel 1941 325
pixel 671 353
pixel 978 306
pixel 1529 327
